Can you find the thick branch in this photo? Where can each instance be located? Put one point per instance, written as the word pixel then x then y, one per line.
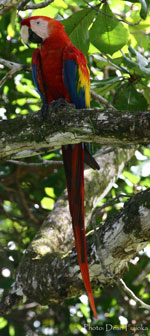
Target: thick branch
pixel 68 125
pixel 55 236
pixel 43 4
pixel 6 5
pixel 120 239
pixel 40 5
pixel 57 227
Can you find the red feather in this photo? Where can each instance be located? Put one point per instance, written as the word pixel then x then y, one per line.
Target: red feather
pixel 73 157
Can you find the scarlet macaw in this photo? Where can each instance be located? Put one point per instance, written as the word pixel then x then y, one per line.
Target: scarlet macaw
pixel 60 71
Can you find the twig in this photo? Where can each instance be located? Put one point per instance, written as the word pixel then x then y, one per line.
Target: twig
pixel 8 75
pixel 142 275
pixel 50 162
pixel 102 100
pixel 106 150
pixel 129 291
pixel 110 16
pixel 98 210
pixel 14 67
pixel 6 5
pixel 22 4
pixel 5 10
pixel 40 5
pixel 35 164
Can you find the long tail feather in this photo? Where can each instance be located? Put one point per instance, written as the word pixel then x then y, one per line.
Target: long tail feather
pixel 88 158
pixel 73 157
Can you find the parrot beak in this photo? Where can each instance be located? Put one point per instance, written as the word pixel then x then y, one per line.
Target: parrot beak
pixel 33 37
pixel 28 35
pixel 25 34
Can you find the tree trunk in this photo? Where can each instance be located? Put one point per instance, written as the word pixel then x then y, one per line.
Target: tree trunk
pixel 49 272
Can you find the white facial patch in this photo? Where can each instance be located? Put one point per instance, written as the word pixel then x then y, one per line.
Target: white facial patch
pixel 40 27
pixel 25 34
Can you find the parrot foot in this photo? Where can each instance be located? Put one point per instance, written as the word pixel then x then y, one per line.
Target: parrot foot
pixel 43 111
pixel 55 104
pixel 52 107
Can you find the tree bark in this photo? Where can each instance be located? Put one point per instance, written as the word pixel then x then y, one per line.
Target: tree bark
pixel 28 135
pixel 48 272
pixel 45 258
pixel 49 276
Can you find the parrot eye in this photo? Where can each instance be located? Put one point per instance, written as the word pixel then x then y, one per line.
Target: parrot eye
pixel 38 22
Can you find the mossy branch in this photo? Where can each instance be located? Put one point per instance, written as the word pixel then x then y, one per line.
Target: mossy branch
pixel 27 135
pixel 48 276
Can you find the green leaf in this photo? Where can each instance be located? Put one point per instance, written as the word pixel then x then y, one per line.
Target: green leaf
pixel 100 61
pixel 11 330
pixel 47 203
pixel 144 9
pixel 131 177
pixel 142 62
pixel 128 62
pixel 3 322
pixel 147 152
pixel 76 26
pixel 50 192
pixel 105 82
pixel 139 67
pixel 11 26
pixel 130 99
pixel 108 34
pixel 105 85
pixel 146 182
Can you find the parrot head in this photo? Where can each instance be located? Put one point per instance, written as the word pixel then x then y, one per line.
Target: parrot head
pixel 37 29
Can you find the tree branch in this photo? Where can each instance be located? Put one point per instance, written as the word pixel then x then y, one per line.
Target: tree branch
pixel 111 16
pixel 35 164
pixel 6 5
pixel 28 135
pixel 57 227
pixel 55 236
pixel 121 237
pixel 14 67
pixel 102 100
pixel 129 291
pixel 39 5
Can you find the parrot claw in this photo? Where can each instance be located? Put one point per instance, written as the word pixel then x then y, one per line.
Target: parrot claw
pixel 52 107
pixel 55 104
pixel 43 111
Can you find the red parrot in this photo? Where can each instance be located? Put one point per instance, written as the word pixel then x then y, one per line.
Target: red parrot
pixel 60 72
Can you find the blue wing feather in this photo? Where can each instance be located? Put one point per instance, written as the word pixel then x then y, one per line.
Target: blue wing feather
pixel 71 78
pixel 37 75
pixel 35 79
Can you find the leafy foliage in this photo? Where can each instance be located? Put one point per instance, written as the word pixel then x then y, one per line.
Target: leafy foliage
pixel 118 54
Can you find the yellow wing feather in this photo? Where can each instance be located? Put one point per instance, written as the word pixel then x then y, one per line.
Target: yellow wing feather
pixel 84 82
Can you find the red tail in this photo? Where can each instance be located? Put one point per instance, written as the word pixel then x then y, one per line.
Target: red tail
pixel 73 157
